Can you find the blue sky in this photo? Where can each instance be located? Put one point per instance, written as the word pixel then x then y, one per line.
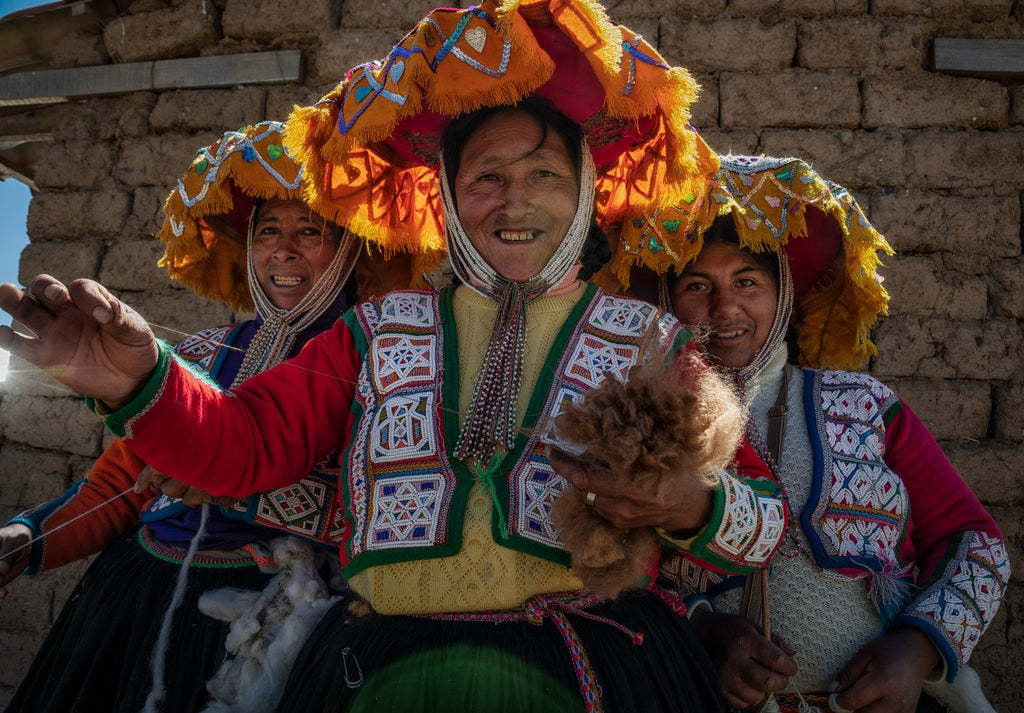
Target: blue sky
pixel 7 6
pixel 14 197
pixel 14 200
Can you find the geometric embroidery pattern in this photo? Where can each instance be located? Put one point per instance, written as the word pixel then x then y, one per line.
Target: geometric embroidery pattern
pixel 678 572
pixel 863 505
pixel 357 500
pixel 409 309
pixel 540 485
pixel 963 601
pixel 200 349
pixel 624 318
pixel 402 360
pixel 404 429
pixel 752 524
pixel 308 508
pixel 594 356
pixel 405 512
pixel 399 480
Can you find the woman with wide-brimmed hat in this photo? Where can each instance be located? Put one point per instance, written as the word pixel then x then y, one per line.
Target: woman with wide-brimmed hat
pixel 503 132
pixel 891 568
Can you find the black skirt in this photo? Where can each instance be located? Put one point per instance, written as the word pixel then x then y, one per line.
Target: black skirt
pixel 97 657
pixel 507 663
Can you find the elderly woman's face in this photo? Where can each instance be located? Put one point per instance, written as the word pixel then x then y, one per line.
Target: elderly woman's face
pixel 734 296
pixel 291 248
pixel 516 200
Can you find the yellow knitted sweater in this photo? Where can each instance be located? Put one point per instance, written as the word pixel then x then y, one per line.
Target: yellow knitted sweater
pixel 483 575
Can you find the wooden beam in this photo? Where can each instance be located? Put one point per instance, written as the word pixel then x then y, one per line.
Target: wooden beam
pixel 56 85
pixel 992 59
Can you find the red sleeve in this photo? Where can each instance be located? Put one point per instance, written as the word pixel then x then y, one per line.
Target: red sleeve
pixel 962 560
pixel 749 465
pixel 265 434
pixel 941 504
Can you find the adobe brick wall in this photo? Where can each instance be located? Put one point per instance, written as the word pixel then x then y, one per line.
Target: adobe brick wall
pixel 934 159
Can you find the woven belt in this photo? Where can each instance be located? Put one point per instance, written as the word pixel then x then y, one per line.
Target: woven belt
pixel 557 607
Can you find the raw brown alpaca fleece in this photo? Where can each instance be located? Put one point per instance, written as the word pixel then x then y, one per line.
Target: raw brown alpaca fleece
pixel 662 427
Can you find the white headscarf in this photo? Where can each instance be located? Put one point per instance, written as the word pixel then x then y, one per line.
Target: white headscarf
pixel 275 337
pixel 491 421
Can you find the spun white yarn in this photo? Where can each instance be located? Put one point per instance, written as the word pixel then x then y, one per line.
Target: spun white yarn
pixel 158 663
pixel 267 629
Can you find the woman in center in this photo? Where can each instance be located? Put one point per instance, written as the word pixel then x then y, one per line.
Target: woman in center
pixel 518 184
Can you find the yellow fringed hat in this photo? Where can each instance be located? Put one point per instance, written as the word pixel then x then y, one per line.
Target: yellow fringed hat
pixel 206 218
pixel 207 214
pixel 371 145
pixel 831 247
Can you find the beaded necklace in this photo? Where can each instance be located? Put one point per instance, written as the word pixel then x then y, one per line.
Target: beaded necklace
pixel 491 420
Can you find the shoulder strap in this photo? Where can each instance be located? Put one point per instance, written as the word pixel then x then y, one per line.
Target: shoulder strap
pixel 754 605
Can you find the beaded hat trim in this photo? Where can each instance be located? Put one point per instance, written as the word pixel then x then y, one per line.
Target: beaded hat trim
pixel 784 206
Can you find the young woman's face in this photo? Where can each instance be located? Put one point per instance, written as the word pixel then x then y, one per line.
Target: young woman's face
pixel 733 296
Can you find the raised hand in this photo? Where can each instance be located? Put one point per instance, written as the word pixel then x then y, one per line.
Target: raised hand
pixel 83 336
pixel 14 553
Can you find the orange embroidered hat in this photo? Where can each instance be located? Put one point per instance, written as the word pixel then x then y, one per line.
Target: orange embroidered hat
pixel 782 204
pixel 206 218
pixel 371 145
pixel 207 214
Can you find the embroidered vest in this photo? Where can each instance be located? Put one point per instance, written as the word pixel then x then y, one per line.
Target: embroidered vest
pixel 857 512
pixel 858 509
pixel 308 509
pixel 404 495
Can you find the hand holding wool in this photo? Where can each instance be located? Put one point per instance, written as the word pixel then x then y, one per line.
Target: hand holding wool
pixel 651 450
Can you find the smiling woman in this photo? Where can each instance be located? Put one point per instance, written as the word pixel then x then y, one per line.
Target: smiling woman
pixel 438 400
pixel 292 247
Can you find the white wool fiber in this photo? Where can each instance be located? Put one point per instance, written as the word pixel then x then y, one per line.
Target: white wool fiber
pixel 964 695
pixel 267 630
